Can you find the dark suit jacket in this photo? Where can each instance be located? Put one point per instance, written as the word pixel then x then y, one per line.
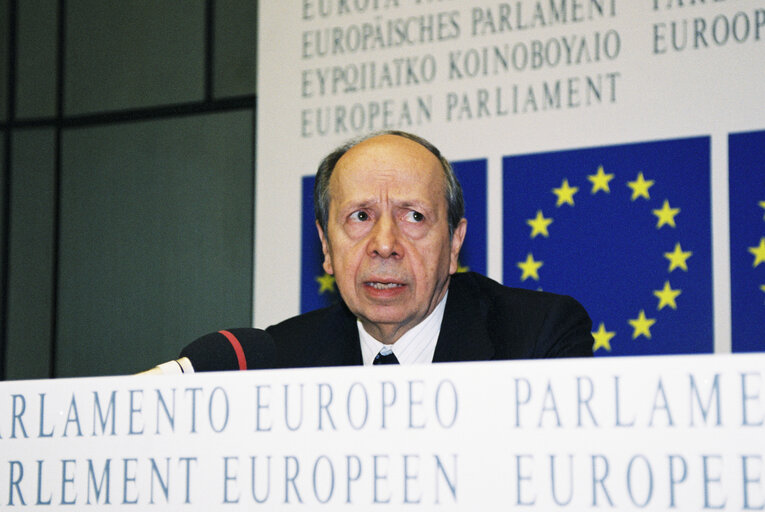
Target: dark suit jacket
pixel 483 320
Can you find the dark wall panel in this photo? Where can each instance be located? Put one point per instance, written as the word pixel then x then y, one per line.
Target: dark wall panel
pixel 30 290
pixel 4 48
pixel 156 239
pixel 36 62
pixel 235 48
pixel 3 200
pixel 131 54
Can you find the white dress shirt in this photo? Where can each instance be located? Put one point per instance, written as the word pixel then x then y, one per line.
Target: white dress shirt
pixel 416 346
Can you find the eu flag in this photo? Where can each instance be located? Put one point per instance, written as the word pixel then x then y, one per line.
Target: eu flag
pixel 317 288
pixel 746 176
pixel 626 230
pixel 472 176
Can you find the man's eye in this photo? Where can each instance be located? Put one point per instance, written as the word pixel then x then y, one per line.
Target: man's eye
pixel 360 216
pixel 414 216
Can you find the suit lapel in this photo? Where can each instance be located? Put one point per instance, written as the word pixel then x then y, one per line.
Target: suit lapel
pixel 464 335
pixel 339 340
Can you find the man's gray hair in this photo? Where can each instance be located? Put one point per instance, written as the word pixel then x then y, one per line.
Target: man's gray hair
pixel 454 200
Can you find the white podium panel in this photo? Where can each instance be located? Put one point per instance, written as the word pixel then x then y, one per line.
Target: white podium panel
pixel 653 433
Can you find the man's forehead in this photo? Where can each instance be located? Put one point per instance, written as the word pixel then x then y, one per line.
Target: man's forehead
pixel 387 159
pixel 389 148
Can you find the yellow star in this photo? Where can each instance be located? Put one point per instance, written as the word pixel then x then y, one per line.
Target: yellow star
pixel 326 283
pixel 762 205
pixel 667 296
pixel 462 268
pixel 529 268
pixel 602 338
pixel 641 325
pixel 666 215
pixel 600 181
pixel 640 187
pixel 678 258
pixel 759 252
pixel 762 287
pixel 565 193
pixel 539 225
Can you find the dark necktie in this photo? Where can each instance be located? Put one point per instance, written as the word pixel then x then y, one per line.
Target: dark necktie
pixel 389 358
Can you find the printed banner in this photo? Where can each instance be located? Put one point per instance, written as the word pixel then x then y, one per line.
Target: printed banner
pixel 659 433
pixel 665 95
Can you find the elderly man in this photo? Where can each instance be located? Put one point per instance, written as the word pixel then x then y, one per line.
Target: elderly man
pixel 389 212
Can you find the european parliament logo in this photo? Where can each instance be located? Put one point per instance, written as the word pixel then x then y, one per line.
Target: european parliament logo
pixel 624 229
pixel 746 176
pixel 317 288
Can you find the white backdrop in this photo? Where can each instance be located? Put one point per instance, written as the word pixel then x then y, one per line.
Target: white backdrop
pixel 348 58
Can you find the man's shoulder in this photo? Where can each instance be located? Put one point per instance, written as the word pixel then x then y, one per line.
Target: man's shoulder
pixel 323 337
pixel 311 322
pixel 523 323
pixel 480 286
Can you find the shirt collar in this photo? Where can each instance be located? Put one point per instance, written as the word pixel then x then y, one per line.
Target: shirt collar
pixel 415 346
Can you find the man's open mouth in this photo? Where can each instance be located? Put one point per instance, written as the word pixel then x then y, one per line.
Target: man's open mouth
pixel 382 286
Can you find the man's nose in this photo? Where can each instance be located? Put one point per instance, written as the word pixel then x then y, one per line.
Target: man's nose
pixel 384 239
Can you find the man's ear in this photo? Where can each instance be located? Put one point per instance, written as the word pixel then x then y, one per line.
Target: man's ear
pixel 457 238
pixel 327 264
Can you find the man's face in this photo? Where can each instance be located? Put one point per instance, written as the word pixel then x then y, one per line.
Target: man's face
pixel 387 240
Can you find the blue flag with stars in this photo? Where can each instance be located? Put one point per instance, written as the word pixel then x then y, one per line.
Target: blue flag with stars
pixel 626 230
pixel 472 176
pixel 317 288
pixel 746 176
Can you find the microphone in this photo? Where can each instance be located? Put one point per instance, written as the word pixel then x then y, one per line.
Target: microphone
pixel 242 348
